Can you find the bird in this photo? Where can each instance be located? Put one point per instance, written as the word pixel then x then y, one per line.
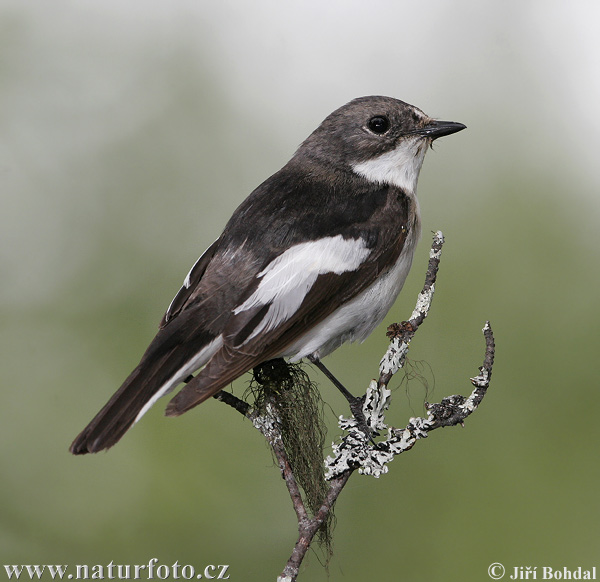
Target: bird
pixel 313 258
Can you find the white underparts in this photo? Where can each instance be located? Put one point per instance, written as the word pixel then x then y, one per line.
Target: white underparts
pixel 399 167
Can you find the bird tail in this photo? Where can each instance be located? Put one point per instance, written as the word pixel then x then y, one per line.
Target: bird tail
pixel 158 373
pixel 120 413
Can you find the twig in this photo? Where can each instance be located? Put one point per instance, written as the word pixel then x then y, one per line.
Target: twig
pixel 357 450
pixel 309 528
pixel 402 333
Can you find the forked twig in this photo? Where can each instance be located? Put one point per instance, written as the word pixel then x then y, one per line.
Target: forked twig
pixel 356 451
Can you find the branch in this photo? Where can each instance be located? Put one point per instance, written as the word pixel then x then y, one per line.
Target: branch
pixel 357 450
pixel 309 528
pixel 269 425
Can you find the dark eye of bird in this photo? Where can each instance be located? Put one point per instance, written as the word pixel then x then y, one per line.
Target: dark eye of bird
pixel 378 124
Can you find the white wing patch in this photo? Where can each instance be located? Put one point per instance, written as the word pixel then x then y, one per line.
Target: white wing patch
pixel 399 167
pixel 287 280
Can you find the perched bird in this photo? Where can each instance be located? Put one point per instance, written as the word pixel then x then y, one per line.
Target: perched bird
pixel 313 258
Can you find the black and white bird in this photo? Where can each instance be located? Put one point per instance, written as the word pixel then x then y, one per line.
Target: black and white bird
pixel 313 258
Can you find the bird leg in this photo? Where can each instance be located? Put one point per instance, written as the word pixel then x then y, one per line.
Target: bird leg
pixel 355 402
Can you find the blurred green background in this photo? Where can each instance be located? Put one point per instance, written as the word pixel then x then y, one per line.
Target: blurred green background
pixel 129 131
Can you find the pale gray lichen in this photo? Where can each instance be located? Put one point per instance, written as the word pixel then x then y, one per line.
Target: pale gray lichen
pixel 482 379
pixel 394 357
pixel 357 451
pixel 435 252
pixel 267 423
pixel 423 303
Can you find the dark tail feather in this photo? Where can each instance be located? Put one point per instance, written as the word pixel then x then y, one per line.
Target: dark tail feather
pixel 120 412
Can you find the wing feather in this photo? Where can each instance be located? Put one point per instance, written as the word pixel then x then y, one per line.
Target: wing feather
pixel 243 350
pixel 190 284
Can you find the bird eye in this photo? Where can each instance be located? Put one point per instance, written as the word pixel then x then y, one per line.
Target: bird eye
pixel 378 124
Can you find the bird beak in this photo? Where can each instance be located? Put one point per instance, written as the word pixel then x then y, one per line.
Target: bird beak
pixel 436 129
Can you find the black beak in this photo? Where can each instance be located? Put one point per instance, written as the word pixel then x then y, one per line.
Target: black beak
pixel 440 128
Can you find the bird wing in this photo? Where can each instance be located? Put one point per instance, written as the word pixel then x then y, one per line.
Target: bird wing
pixel 293 293
pixel 190 283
